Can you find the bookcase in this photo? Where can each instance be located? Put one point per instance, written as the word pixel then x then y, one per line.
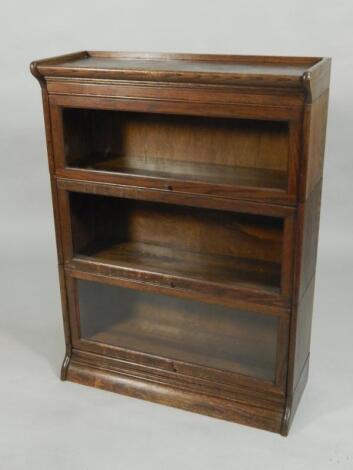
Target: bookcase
pixel 186 192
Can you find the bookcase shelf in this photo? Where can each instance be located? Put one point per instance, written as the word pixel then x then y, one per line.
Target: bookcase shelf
pixel 244 250
pixel 186 193
pixel 190 331
pixel 184 171
pixel 188 265
pixel 227 153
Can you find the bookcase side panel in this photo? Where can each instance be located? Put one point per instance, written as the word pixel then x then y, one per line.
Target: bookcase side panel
pixel 58 235
pixel 302 305
pixel 314 137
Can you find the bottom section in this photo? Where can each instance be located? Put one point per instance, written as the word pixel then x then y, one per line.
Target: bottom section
pixel 215 406
pixel 184 330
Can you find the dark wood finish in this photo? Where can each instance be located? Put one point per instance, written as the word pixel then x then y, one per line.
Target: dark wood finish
pixel 186 192
pixel 315 117
pixel 286 72
pixel 200 402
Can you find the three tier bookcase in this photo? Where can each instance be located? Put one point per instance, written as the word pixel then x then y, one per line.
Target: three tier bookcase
pixel 186 192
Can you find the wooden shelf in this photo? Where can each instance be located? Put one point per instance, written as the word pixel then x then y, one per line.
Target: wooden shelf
pixel 187 171
pixel 198 347
pixel 183 330
pixel 219 156
pixel 179 247
pixel 173 262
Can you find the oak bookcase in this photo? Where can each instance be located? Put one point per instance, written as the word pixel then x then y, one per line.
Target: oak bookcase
pixel 186 192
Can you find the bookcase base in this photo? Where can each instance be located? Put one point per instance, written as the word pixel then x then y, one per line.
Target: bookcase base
pixel 213 406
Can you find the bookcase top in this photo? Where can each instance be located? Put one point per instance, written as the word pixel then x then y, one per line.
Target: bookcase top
pixel 236 70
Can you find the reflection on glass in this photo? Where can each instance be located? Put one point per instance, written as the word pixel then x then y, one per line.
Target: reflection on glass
pixel 180 329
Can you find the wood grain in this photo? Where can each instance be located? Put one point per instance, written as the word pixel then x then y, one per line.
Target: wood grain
pixel 263 418
pixel 190 68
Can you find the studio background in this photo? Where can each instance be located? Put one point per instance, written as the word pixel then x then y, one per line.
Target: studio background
pixel 48 424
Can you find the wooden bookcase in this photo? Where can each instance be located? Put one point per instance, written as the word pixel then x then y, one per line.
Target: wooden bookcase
pixel 186 193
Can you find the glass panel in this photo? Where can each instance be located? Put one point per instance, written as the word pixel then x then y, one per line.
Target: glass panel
pixel 214 150
pixel 179 329
pixel 203 244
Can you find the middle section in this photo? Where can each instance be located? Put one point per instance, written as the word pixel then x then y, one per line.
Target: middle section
pixel 204 244
pixel 229 256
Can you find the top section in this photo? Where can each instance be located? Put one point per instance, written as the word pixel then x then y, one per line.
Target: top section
pixel 286 72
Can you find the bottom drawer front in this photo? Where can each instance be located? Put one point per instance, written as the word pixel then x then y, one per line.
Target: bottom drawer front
pixel 184 330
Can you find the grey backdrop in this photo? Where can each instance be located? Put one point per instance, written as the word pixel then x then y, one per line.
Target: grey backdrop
pixel 48 424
